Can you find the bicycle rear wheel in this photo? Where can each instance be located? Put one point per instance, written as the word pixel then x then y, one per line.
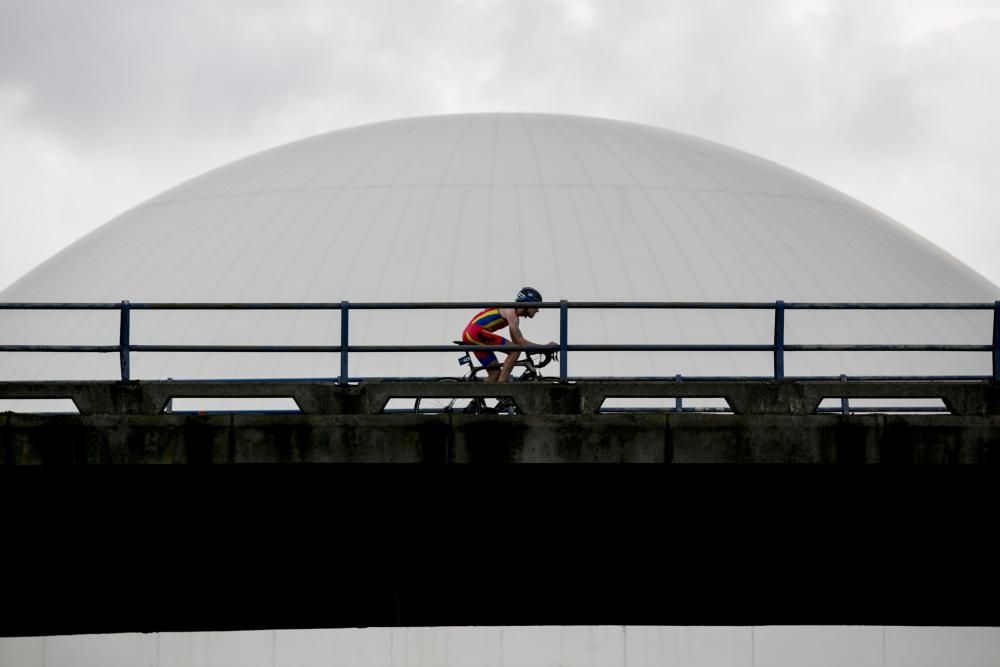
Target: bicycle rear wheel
pixel 429 405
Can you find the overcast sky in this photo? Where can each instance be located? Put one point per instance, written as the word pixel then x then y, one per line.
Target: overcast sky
pixel 104 104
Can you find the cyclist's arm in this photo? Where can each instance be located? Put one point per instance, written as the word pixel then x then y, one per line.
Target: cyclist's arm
pixel 514 322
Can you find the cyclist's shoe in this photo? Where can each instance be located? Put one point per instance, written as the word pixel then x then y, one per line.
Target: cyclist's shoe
pixel 471 408
pixel 505 405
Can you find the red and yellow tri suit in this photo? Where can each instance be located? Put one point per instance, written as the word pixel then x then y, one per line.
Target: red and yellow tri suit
pixel 479 331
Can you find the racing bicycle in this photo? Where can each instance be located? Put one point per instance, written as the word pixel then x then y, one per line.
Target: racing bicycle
pixel 532 363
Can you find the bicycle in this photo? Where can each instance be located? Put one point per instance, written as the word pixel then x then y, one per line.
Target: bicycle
pixel 478 405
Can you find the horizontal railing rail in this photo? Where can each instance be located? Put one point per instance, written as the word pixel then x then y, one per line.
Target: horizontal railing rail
pixel 451 305
pixel 778 348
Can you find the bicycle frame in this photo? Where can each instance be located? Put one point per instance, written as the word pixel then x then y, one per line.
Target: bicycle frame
pixel 528 363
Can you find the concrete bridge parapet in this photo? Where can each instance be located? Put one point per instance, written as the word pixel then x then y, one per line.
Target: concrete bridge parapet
pixel 771 422
pixel 745 397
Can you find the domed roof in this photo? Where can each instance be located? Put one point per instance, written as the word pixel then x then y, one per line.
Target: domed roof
pixel 472 207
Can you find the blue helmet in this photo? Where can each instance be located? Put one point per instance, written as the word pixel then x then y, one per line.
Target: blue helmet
pixel 528 294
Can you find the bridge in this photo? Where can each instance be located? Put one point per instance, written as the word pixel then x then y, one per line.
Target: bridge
pixel 756 419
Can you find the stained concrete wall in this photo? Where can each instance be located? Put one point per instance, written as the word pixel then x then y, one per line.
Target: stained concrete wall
pixel 772 422
pixel 669 438
pixel 607 646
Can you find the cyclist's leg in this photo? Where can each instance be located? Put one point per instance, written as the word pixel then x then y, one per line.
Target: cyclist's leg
pixel 508 365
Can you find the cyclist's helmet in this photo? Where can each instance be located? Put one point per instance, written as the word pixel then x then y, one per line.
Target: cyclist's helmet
pixel 528 294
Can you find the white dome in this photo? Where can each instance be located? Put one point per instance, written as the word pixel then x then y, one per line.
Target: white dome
pixel 472 207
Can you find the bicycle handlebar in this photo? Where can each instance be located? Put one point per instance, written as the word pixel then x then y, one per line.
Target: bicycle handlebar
pixel 547 357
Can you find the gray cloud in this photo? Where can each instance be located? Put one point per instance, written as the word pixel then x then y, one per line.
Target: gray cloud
pixel 111 102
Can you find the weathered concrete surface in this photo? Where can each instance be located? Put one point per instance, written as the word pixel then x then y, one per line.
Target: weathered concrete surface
pixel 774 421
pixel 747 397
pixel 613 438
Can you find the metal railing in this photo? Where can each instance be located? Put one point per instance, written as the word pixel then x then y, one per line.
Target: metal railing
pixel 125 346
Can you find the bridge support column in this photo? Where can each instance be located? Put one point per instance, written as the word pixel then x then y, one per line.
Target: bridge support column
pixel 119 398
pixel 771 398
pixel 319 399
pixel 972 400
pixel 548 399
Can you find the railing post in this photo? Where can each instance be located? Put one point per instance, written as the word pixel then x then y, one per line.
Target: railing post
pixel 123 342
pixel 678 401
pixel 779 339
pixel 563 325
pixel 845 404
pixel 344 309
pixel 996 341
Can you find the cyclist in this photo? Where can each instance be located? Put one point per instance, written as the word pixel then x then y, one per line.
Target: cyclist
pixel 481 331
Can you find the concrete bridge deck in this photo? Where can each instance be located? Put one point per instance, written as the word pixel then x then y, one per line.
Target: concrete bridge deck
pixel 771 421
pixel 745 397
